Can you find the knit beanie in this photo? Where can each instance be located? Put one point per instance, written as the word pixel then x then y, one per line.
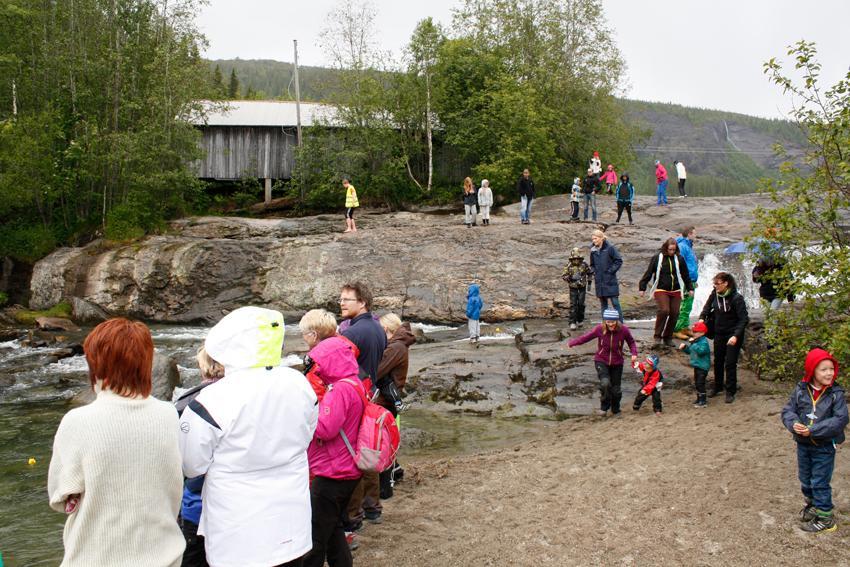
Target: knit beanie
pixel 653 360
pixel 700 327
pixel 610 315
pixel 815 357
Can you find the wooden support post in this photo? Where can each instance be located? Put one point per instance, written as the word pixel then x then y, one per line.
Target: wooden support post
pixel 268 198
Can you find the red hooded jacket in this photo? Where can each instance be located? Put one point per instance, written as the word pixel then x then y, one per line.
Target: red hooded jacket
pixel 815 357
pixel 660 173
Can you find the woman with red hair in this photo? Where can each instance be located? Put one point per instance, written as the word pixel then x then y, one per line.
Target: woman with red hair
pixel 115 469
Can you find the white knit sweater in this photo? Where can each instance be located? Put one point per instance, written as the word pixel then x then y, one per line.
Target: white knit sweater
pixel 121 455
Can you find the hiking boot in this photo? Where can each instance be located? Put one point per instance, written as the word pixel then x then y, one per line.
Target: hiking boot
pixel 374 517
pixel 351 540
pixel 681 335
pixel 669 343
pixel 730 397
pixel 808 513
pixel 715 393
pixel 572 326
pixel 822 522
pixel 700 401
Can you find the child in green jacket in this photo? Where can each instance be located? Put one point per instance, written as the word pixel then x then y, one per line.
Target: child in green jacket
pixel 700 352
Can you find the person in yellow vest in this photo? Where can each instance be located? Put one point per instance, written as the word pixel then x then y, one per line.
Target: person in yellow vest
pixel 351 203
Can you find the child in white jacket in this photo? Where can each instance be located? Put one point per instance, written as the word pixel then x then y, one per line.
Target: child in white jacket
pixel 575 197
pixel 485 200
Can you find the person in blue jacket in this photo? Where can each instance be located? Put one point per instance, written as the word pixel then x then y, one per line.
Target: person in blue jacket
pixel 473 312
pixel 816 415
pixel 686 249
pixel 605 261
pixel 625 197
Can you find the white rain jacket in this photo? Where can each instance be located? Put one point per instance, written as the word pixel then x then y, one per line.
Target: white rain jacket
pixel 249 433
pixel 681 173
pixel 485 197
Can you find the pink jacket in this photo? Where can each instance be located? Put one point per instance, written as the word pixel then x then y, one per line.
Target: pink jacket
pixel 660 173
pixel 609 176
pixel 340 409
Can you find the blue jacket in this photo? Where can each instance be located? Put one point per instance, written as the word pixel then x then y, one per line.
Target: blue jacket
pixel 686 249
pixel 371 339
pixel 700 352
pixel 473 302
pixel 605 262
pixel 830 414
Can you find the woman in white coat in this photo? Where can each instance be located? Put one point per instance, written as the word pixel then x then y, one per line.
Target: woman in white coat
pixel 249 433
pixel 485 200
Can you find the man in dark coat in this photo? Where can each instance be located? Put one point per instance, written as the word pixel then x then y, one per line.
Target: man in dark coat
pixel 605 261
pixel 525 188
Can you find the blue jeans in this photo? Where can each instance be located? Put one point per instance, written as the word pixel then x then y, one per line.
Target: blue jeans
pixel 661 190
pixel 590 199
pixel 525 208
pixel 814 467
pixel 615 302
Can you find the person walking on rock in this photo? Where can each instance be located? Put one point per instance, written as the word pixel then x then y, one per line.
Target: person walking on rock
pixel 470 203
pixel 725 315
pixel 609 177
pixel 610 337
pixel 682 175
pixel 625 197
pixel 660 183
pixel 473 312
pixel 589 188
pixel 485 201
pixel 650 384
pixel 686 249
pixel 605 262
pixel 525 188
pixel 579 277
pixel 351 203
pixel 668 280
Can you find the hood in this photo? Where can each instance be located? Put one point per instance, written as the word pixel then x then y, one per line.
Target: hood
pixel 815 357
pixel 624 177
pixel 403 335
pixel 249 337
pixel 335 359
pixel 474 291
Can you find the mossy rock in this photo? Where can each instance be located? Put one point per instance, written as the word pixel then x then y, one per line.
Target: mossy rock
pixel 27 317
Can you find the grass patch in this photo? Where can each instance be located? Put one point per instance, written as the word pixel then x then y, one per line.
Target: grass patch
pixel 27 317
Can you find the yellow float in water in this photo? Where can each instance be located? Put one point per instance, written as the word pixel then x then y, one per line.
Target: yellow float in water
pixel 31 461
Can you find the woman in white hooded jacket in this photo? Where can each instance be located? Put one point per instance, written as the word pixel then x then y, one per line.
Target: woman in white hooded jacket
pixel 485 201
pixel 249 433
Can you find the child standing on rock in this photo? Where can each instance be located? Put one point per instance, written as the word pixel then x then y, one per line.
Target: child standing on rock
pixel 473 312
pixel 485 201
pixel 579 277
pixel 650 384
pixel 575 197
pixel 351 203
pixel 611 335
pixel 470 202
pixel 816 415
pixel 609 178
pixel 700 352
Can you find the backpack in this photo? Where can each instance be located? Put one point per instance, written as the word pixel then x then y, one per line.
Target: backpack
pixel 378 440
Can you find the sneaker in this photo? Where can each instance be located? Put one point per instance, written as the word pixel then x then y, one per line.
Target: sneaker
pixel 572 326
pixel 601 412
pixel 730 397
pixel 658 414
pixel 351 540
pixel 808 513
pixel 374 517
pixel 820 523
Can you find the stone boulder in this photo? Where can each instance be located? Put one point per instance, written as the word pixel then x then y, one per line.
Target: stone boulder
pixel 164 375
pixel 55 324
pixel 87 312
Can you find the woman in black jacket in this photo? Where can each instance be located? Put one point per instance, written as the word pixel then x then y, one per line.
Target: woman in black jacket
pixel 726 315
pixel 670 280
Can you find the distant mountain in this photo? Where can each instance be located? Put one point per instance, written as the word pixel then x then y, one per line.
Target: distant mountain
pixel 724 152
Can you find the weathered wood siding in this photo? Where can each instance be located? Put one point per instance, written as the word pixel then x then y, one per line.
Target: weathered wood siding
pixel 234 152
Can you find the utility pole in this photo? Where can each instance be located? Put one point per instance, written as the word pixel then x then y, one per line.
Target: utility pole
pixel 298 108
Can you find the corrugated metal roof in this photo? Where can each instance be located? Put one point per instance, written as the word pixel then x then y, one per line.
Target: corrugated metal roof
pixel 264 113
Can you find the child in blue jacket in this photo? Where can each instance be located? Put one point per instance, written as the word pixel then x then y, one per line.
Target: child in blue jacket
pixel 816 415
pixel 700 352
pixel 473 312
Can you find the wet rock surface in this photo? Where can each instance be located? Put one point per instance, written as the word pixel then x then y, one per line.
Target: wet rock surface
pixel 418 263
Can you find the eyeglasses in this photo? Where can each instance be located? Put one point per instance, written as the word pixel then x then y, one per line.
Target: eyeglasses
pixel 347 299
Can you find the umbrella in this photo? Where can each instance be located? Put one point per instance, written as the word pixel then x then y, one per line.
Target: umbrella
pixel 749 248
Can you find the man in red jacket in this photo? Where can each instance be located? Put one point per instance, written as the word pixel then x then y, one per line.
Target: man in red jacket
pixel 661 183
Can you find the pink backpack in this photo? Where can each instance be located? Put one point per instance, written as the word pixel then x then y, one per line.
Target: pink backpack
pixel 378 439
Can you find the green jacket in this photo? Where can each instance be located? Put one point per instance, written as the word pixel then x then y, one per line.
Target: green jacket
pixel 700 353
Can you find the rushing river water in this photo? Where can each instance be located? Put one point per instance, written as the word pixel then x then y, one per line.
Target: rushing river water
pixel 35 392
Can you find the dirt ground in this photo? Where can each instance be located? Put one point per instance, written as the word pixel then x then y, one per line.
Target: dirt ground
pixel 694 487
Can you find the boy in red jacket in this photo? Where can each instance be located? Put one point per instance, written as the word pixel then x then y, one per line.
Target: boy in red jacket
pixel 650 385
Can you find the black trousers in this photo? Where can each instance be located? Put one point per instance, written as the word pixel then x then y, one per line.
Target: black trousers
pixel 329 499
pixel 725 365
pixel 195 555
pixel 682 187
pixel 574 209
pixel 610 380
pixel 700 376
pixel 577 304
pixel 656 400
pixel 624 206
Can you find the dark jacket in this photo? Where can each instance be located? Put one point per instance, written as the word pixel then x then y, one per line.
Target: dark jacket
pixel 605 262
pixel 669 276
pixel 470 198
pixel 766 274
pixel 726 316
pixel 395 360
pixel 590 184
pixel 577 274
pixel 609 346
pixel 625 190
pixel 830 414
pixel 525 187
pixel 368 336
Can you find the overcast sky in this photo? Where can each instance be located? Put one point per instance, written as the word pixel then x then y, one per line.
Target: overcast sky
pixel 706 53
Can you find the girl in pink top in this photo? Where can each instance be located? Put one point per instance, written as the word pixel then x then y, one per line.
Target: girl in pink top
pixel 609 177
